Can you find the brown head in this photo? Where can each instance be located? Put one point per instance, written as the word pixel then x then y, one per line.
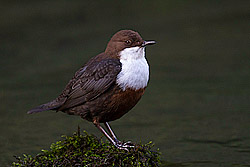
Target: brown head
pixel 125 39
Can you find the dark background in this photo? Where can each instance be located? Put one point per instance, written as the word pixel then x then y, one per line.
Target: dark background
pixel 196 108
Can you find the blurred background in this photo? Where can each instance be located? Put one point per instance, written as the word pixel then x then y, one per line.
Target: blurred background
pixel 196 108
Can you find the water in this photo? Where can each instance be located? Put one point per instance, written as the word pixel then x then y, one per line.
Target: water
pixel 196 107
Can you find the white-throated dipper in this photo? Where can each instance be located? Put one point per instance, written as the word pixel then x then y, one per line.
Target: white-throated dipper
pixel 108 85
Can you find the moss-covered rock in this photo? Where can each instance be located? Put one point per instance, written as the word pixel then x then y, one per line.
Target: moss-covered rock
pixel 88 150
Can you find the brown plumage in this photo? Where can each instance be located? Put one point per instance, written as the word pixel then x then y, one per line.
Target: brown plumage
pixel 94 94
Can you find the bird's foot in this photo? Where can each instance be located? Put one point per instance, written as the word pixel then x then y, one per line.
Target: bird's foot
pixel 124 146
pixel 128 144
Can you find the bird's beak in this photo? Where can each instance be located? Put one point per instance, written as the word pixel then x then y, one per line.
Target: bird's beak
pixel 148 43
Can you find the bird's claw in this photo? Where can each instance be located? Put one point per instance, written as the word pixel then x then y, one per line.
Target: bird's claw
pixel 128 144
pixel 124 146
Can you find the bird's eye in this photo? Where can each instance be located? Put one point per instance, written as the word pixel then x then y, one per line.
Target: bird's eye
pixel 128 42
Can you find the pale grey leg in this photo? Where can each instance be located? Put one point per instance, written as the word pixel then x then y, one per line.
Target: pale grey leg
pixel 119 143
pixel 111 132
pixel 105 133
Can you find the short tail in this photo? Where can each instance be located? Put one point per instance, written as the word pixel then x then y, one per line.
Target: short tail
pixel 45 107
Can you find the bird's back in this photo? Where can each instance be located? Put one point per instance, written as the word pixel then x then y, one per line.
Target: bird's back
pixel 88 83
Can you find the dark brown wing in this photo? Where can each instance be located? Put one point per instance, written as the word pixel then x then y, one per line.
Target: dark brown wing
pixel 91 81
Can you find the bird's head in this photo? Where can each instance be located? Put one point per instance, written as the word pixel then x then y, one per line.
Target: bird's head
pixel 127 41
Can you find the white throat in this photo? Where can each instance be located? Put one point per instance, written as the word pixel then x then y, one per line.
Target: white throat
pixel 135 69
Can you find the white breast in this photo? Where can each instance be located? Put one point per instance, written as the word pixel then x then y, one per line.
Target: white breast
pixel 135 69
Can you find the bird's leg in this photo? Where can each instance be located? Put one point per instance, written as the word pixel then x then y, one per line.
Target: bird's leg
pixel 119 143
pixel 111 132
pixel 104 132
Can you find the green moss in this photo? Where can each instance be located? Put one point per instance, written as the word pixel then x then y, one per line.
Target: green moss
pixel 88 150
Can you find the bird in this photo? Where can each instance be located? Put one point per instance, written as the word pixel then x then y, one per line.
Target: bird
pixel 108 85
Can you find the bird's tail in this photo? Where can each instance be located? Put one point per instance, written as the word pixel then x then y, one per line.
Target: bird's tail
pixel 44 107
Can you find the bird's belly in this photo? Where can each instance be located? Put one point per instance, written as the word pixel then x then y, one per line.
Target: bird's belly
pixel 110 106
pixel 119 104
